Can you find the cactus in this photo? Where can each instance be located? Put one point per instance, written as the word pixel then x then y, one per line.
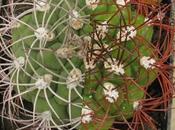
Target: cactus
pixel 82 64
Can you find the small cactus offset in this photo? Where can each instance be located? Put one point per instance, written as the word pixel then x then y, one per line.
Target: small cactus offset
pixel 82 64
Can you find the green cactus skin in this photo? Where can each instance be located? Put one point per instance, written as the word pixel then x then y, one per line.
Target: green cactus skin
pixel 49 59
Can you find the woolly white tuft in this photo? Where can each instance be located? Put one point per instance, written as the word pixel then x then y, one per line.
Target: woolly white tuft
pixel 75 21
pixel 74 78
pixel 101 30
pixel 46 116
pixel 86 114
pixel 42 5
pixel 135 105
pixel 43 34
pixel 113 66
pixel 41 84
pixel 110 92
pixel 64 52
pixel 19 62
pixel 126 33
pixel 44 81
pixel 147 62
pixel 90 64
pixel 122 2
pixel 92 4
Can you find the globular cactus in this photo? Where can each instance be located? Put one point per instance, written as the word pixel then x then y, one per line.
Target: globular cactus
pixel 82 64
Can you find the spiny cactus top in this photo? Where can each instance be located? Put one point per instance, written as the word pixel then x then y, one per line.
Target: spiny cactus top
pixel 80 62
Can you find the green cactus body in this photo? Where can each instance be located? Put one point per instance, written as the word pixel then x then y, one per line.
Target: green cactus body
pixel 53 44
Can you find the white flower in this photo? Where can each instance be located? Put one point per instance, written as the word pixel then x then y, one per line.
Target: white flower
pixel 74 78
pixel 113 66
pixel 92 4
pixel 126 33
pixel 122 2
pixel 110 92
pixel 101 30
pixel 147 62
pixel 19 62
pixel 86 114
pixel 42 5
pixel 75 21
pixel 44 81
